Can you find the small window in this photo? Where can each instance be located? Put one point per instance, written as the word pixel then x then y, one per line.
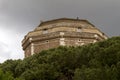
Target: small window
pixel 79 40
pixel 45 31
pixel 103 34
pixel 79 29
pixel 47 41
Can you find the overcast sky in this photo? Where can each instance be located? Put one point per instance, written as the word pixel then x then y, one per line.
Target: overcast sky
pixel 18 17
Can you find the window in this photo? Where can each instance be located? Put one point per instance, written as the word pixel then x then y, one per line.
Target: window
pixel 45 31
pixel 103 34
pixel 79 29
pixel 80 40
pixel 47 41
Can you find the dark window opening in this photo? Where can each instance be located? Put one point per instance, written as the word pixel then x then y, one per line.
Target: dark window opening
pixel 47 41
pixel 45 31
pixel 79 29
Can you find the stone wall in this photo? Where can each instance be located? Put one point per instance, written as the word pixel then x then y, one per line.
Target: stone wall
pixel 45 44
pixel 53 40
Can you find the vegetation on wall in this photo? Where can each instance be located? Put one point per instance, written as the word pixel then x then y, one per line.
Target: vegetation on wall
pixel 99 61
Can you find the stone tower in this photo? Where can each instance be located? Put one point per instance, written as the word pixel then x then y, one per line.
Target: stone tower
pixel 61 32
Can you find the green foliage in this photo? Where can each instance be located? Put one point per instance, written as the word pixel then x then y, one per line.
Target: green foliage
pixel 10 66
pixel 89 74
pixel 5 76
pixel 99 61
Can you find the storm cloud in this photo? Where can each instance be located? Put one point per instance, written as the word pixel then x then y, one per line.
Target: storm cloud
pixel 17 17
pixel 4 52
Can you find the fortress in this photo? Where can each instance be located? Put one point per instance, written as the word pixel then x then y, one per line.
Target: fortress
pixel 61 32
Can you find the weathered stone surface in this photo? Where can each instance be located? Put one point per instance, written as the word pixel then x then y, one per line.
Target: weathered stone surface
pixel 61 32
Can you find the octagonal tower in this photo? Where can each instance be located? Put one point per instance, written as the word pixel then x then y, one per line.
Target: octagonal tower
pixel 61 32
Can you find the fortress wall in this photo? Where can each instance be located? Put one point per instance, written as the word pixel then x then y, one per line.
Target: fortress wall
pixel 28 51
pixel 78 41
pixel 45 44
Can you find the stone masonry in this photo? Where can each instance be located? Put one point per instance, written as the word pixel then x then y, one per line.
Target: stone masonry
pixel 61 32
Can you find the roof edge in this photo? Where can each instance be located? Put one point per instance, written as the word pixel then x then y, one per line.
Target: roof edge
pixel 61 19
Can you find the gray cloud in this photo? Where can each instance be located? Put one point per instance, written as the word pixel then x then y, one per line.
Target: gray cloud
pixel 22 16
pixel 4 52
pixel 10 44
pixel 27 14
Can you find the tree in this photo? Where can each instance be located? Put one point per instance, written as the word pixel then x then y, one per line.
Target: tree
pixel 5 76
pixel 99 61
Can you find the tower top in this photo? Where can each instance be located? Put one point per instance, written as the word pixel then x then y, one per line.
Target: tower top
pixel 64 20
